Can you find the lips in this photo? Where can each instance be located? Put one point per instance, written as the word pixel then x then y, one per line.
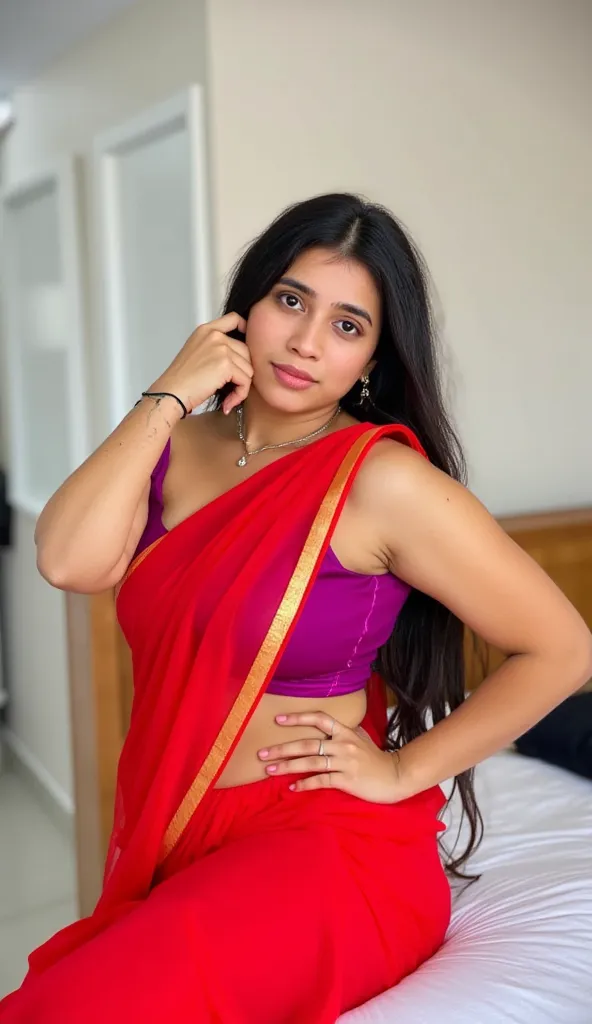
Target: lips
pixel 294 371
pixel 289 380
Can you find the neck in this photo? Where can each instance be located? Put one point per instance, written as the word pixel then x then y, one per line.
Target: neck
pixel 264 425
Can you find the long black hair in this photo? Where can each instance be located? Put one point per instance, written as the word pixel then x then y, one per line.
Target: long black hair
pixel 422 663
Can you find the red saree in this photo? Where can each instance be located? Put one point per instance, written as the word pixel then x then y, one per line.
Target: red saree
pixel 207 611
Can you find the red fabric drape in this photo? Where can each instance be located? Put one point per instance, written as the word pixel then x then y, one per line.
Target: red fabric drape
pixel 207 611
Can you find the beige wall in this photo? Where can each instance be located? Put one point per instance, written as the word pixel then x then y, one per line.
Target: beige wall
pixel 146 55
pixel 471 120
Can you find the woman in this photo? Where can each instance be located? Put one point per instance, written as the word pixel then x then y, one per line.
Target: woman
pixel 278 559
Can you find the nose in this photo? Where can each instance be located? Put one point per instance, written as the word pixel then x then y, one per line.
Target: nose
pixel 306 341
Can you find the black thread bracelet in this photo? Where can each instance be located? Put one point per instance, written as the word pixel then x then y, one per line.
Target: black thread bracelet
pixel 164 394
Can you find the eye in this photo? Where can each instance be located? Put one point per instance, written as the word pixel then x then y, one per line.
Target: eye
pixel 349 327
pixel 287 296
pixel 293 301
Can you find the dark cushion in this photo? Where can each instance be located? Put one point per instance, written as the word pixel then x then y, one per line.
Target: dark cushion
pixel 564 737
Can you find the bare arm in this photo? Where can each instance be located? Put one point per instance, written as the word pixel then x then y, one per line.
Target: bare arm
pixel 88 531
pixel 442 540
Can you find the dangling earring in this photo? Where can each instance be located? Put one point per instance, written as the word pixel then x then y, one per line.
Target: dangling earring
pixel 365 395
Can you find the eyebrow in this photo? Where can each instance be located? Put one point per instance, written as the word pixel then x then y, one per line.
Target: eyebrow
pixel 307 290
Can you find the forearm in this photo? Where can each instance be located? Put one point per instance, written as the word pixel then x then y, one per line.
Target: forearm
pixel 89 518
pixel 509 702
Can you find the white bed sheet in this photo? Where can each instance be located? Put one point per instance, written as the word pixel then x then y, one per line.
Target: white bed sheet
pixel 519 947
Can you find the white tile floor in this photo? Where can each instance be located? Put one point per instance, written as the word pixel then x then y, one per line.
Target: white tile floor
pixel 37 878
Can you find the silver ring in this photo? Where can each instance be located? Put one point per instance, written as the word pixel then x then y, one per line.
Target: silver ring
pixel 328 764
pixel 322 748
pixel 332 728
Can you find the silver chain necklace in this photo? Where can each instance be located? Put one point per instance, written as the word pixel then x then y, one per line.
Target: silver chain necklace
pixel 240 423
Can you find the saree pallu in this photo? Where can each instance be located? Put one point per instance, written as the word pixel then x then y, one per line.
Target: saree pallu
pixel 207 611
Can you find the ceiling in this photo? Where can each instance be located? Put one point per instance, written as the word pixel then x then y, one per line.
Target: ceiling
pixel 34 33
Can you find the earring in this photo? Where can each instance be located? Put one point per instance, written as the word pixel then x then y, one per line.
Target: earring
pixel 365 395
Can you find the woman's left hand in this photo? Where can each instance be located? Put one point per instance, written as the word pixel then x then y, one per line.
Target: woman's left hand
pixel 356 765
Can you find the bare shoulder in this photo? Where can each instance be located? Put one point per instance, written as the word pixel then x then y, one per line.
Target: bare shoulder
pixel 407 497
pixel 392 470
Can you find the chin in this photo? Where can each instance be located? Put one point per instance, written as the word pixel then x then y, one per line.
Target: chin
pixel 286 402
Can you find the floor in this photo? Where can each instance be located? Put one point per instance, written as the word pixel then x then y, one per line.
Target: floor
pixel 37 878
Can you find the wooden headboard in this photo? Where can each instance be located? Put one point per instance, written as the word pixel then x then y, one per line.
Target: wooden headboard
pixel 561 542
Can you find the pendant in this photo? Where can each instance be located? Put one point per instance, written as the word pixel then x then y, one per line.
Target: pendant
pixel 242 461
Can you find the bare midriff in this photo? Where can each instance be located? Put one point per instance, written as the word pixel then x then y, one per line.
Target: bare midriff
pixel 262 731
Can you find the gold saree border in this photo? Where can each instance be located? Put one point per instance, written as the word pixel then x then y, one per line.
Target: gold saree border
pixel 264 660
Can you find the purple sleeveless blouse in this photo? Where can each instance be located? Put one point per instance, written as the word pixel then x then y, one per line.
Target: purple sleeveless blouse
pixel 346 618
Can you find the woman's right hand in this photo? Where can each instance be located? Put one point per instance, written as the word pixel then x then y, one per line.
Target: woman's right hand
pixel 208 360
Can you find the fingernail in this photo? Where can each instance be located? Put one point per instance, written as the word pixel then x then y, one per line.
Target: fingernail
pixel 281 718
pixel 272 768
pixel 263 753
pixel 293 786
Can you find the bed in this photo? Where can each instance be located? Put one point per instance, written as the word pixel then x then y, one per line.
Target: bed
pixel 519 947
